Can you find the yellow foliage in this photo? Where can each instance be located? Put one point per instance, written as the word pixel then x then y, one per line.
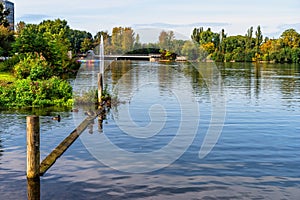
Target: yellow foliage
pixel 208 47
pixel 266 47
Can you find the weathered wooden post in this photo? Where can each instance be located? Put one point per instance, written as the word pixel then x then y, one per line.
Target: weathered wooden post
pixel 100 88
pixel 33 147
pixel 33 189
pixel 100 123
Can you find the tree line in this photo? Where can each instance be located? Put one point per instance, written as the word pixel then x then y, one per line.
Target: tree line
pixel 248 48
pixel 53 38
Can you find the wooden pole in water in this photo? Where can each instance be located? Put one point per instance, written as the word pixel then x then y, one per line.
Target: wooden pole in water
pixel 33 189
pixel 33 146
pixel 100 87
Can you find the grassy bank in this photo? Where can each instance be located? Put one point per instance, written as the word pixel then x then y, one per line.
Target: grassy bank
pixel 6 78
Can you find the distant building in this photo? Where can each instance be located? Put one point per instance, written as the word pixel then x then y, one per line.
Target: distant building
pixel 11 17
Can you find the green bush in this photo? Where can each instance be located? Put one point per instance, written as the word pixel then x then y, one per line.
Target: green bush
pixel 6 95
pixel 40 93
pixel 296 55
pixel 228 57
pixel 9 64
pixel 34 67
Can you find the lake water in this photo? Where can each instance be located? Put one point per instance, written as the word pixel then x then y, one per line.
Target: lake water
pixel 180 131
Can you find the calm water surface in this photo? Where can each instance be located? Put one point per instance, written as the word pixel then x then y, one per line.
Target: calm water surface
pixel 256 157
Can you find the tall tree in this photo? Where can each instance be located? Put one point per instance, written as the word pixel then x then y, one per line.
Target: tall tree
pixel 163 40
pixel 122 39
pixel 249 36
pixel 137 43
pixel 222 43
pixel 166 40
pixel 3 15
pixel 127 39
pixel 197 34
pixel 116 39
pixel 258 39
pixel 6 39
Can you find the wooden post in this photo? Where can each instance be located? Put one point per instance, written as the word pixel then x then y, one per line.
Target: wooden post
pixel 33 189
pixel 100 123
pixel 33 147
pixel 100 87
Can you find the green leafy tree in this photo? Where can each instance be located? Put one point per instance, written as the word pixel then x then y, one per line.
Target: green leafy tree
pixel 296 55
pixel 3 15
pixel 86 45
pixel 76 38
pixel 122 39
pixel 116 39
pixel 166 40
pixel 290 38
pixel 258 41
pixel 249 37
pixel 127 39
pixel 209 41
pixel 235 48
pixel 137 43
pixel 203 37
pixel 222 43
pixel 6 39
pixel 196 35
pixel 48 39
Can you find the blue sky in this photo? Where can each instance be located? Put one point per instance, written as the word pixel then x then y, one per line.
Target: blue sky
pixel 235 16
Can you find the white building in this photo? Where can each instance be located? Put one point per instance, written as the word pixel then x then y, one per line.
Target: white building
pixel 11 17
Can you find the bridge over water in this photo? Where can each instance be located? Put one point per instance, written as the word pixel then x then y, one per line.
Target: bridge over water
pixel 148 57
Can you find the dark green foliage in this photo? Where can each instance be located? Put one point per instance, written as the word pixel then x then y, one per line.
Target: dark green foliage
pixel 203 37
pixel 3 15
pixel 76 38
pixel 296 55
pixel 6 39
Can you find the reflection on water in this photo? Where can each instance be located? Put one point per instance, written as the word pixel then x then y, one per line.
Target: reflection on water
pixel 256 157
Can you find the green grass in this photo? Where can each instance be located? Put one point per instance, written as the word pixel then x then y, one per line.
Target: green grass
pixel 6 78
